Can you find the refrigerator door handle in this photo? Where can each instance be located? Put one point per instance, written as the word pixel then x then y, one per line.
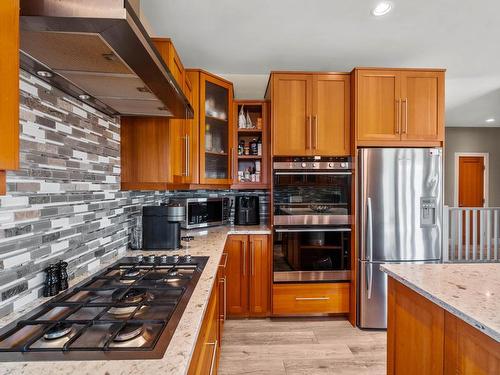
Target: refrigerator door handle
pixel 369 225
pixel 369 279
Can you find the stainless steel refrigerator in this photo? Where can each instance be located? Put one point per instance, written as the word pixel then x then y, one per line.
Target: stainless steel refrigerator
pixel 400 215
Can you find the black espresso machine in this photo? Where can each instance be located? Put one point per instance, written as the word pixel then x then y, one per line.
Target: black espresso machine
pixel 161 226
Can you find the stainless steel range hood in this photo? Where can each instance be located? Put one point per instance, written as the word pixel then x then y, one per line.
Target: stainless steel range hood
pixel 99 48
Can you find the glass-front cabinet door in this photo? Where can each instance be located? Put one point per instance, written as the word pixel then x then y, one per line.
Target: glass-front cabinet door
pixel 216 102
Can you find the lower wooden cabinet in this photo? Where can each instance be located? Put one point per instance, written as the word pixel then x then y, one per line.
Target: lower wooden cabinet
pixel 423 338
pixel 305 299
pixel 204 360
pixel 248 276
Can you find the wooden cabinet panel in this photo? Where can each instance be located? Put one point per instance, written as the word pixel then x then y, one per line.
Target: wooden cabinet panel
pixel 3 183
pixel 144 153
pixel 222 294
pixel 468 351
pixel 331 115
pixel 415 333
pixel 9 85
pixel 237 275
pixel 291 112
pixel 204 359
pixel 377 105
pixel 171 58
pixel 260 275
pixel 422 95
pixel 303 299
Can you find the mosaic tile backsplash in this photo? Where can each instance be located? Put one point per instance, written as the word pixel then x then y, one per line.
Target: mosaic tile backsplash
pixel 65 200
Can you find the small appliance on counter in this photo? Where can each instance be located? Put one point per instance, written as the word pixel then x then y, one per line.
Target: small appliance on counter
pixel 204 212
pixel 247 210
pixel 161 226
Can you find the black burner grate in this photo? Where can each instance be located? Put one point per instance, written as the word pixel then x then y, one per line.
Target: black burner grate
pixel 129 307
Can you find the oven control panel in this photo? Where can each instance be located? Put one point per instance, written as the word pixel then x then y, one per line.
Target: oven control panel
pixel 312 163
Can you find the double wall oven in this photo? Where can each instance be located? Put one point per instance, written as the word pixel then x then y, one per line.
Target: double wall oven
pixel 312 219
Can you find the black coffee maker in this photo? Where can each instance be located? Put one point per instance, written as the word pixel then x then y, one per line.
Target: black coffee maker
pixel 247 210
pixel 161 227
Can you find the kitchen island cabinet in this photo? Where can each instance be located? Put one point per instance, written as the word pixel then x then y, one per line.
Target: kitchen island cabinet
pixel 443 319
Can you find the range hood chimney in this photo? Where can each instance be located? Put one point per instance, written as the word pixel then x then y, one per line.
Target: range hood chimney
pixel 98 51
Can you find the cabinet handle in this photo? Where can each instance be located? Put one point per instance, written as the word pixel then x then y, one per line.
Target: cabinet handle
pixel 225 297
pixel 244 258
pixel 312 298
pixel 214 354
pixel 188 156
pixel 225 260
pixel 234 172
pixel 252 266
pixel 398 116
pixel 315 137
pixel 405 131
pixel 308 136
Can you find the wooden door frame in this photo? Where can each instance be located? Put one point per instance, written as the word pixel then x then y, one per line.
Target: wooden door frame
pixel 486 157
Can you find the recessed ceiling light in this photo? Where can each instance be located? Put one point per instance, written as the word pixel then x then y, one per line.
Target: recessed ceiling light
pixel 84 96
pixel 44 74
pixel 490 120
pixel 382 8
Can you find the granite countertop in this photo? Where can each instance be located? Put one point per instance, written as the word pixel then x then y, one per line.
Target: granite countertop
pixel 471 292
pixel 207 242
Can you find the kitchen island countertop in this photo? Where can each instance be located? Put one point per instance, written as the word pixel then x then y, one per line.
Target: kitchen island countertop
pixel 471 292
pixel 208 242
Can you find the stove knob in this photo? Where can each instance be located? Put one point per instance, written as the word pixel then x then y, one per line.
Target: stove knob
pixel 330 165
pixel 163 259
pixel 188 257
pixel 343 165
pixel 303 165
pixel 175 258
pixel 139 258
pixel 151 258
pixel 315 165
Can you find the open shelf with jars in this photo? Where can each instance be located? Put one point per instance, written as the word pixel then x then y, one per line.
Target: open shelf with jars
pixel 251 164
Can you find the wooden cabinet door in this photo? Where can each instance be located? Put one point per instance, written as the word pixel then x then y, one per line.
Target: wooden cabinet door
pixel 331 115
pixel 422 112
pixel 291 114
pixel 469 351
pixel 260 275
pixel 237 275
pixel 204 358
pixel 215 130
pixel 378 105
pixel 185 137
pixel 415 333
pixel 222 294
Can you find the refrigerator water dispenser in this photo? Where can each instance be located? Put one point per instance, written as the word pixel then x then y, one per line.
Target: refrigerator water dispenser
pixel 428 215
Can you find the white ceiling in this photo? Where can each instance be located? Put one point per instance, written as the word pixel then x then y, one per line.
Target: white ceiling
pixel 244 40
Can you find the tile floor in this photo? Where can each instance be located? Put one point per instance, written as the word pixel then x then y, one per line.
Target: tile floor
pixel 299 347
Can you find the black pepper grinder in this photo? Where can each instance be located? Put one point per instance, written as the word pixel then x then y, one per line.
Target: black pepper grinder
pixel 63 275
pixel 51 287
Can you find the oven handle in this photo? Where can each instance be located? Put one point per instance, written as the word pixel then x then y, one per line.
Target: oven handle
pixel 292 230
pixel 344 173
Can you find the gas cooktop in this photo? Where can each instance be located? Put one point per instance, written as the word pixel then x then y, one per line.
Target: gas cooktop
pixel 128 311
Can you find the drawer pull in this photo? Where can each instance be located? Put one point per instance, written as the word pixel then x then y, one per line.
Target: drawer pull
pixel 312 298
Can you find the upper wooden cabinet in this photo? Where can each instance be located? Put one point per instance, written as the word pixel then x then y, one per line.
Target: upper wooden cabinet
pixel 310 114
pixel 171 57
pixel 399 107
pixel 215 115
pixel 9 85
